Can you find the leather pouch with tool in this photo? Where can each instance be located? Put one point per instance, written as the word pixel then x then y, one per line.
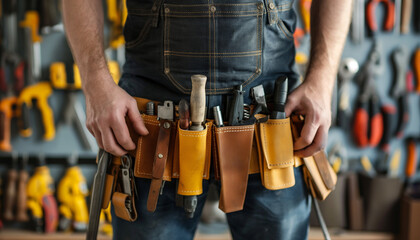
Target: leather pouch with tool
pixel 275 150
pixel 318 173
pixel 120 188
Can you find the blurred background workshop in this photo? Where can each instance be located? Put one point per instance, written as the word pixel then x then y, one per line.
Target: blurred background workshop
pixel 47 158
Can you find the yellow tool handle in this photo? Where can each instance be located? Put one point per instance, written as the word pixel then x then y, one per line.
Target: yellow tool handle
pixel 58 75
pixel 32 21
pixel 305 11
pixel 47 119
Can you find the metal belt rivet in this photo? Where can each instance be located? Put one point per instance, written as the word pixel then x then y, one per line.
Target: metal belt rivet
pixel 271 5
pixel 260 6
pixel 166 125
pixel 160 155
pixel 167 10
pixel 258 70
pixel 167 70
pixel 213 9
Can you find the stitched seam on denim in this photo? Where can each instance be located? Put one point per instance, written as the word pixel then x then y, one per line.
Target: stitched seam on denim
pixel 205 12
pixel 205 56
pixel 141 36
pixel 205 16
pixel 282 27
pixel 208 4
pixel 202 53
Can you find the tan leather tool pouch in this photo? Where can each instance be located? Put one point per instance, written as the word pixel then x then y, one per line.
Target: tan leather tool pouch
pixel 319 175
pixel 234 148
pixel 192 159
pixel 146 148
pixel 275 148
pixel 122 203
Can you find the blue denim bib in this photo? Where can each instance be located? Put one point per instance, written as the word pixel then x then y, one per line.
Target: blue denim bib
pixel 237 42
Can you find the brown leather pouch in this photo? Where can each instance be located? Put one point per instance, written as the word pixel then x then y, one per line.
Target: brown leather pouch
pixel 319 175
pixel 234 148
pixel 124 206
pixel 275 148
pixel 146 146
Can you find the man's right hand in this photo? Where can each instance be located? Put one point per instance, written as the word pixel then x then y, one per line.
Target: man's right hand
pixel 107 106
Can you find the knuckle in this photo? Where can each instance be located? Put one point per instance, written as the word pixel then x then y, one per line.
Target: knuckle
pixel 306 140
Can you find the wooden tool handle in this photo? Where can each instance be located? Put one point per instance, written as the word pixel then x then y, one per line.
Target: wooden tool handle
pixel 407 7
pixel 198 101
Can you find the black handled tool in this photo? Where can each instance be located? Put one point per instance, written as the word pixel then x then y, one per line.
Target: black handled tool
pixel 280 96
pixel 236 113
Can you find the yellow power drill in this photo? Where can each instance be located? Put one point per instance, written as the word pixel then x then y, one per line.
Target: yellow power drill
pixel 41 202
pixel 71 193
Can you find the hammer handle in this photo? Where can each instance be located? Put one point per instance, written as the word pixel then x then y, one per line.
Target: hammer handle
pixel 198 101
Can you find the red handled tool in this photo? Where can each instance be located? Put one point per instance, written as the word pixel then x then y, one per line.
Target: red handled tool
pixel 416 67
pixel 411 166
pixel 371 16
pixel 368 121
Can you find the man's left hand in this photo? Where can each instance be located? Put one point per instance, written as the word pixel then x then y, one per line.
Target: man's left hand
pixel 312 100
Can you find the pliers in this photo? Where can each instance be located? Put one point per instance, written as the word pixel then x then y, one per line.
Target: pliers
pixel 371 18
pixel 368 120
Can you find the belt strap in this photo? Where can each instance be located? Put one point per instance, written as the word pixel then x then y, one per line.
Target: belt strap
pixel 159 163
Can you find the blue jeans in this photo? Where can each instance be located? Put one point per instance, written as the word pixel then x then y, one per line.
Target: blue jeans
pixel 267 214
pixel 232 42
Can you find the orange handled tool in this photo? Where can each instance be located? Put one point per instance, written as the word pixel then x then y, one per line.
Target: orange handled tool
pixel 411 166
pixel 305 11
pixel 416 67
pixel 371 17
pixel 6 113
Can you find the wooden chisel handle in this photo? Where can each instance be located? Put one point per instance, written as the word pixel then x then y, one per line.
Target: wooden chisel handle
pixel 407 8
pixel 198 101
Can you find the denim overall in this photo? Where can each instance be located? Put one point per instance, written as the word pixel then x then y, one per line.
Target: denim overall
pixel 232 42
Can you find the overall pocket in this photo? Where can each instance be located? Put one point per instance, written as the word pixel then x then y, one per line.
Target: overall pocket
pixel 137 26
pixel 234 148
pixel 222 41
pixel 275 145
pixel 194 159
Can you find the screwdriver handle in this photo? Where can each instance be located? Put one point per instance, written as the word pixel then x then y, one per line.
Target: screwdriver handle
pixel 198 101
pixel 416 67
pixel 407 7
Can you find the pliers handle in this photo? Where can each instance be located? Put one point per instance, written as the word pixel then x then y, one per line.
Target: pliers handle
pixel 371 17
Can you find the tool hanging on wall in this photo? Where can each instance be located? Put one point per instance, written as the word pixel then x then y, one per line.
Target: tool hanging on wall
pixel 41 202
pixel 357 22
pixel 405 13
pixel 71 194
pixel 117 14
pixel 371 16
pixel 21 211
pixel 368 121
pixel 416 68
pixel 400 60
pixel 412 158
pixel 305 12
pixel 346 71
pixel 73 110
pixel 40 91
pixel 10 193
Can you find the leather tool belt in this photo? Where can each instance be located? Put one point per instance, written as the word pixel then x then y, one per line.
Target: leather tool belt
pixel 265 147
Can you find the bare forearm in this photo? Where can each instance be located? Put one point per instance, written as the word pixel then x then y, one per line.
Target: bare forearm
pixel 84 21
pixel 330 20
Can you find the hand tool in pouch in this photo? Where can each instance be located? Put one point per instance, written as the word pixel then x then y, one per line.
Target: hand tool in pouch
pixel 104 159
pixel 165 114
pixel 280 96
pixel 198 114
pixel 184 123
pixel 368 121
